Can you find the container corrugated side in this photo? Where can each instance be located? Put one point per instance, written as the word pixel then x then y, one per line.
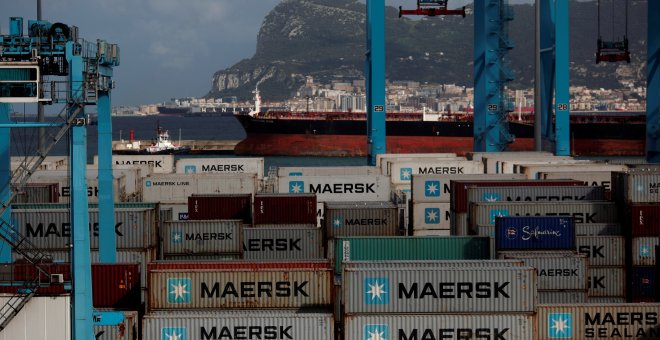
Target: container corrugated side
pixel 643 251
pixel 534 170
pixel 434 290
pixel 402 172
pixel 431 232
pixel 249 287
pixel 176 188
pixel 605 299
pixel 238 324
pixel 598 229
pixel 116 285
pixel 202 237
pixel 592 178
pixel 639 187
pixel 531 194
pixel 436 188
pixel 163 164
pixel 410 248
pixel 534 233
pixel 41 318
pixel 221 165
pixel 420 326
pixel 566 296
pixel 607 281
pixel 431 216
pixel 283 243
pixel 603 250
pixel 644 219
pixel 286 171
pixel 555 271
pixel 643 283
pixel 361 219
pixel 284 208
pixel 601 321
pixel 426 264
pixel 484 213
pixel 338 188
pixel 135 228
pixel 220 207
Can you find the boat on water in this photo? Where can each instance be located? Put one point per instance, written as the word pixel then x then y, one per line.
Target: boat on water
pixel 293 133
pixel 160 146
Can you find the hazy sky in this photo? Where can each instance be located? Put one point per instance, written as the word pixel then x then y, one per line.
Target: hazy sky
pixel 169 48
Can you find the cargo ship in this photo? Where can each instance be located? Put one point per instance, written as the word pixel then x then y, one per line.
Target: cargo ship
pixel 306 133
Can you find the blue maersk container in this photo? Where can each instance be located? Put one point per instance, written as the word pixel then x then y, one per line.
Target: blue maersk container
pixel 534 233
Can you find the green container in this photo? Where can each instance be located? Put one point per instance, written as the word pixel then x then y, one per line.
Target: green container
pixel 410 248
pixel 45 206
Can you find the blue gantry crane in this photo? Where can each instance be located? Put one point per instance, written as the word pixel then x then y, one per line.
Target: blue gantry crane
pixel 52 65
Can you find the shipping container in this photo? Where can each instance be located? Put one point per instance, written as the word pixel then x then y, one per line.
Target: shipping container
pixel 556 271
pixel 43 318
pixel 605 299
pixel 598 321
pixel 420 326
pixel 591 178
pixel 485 213
pixel 409 248
pixel 220 207
pixel 644 219
pixel 383 161
pixel 202 237
pixel 338 188
pixel 436 188
pixel 644 250
pixel 285 171
pixel 176 188
pixel 603 250
pixel 61 177
pixel 607 281
pixel 320 213
pixel 434 290
pixel 644 281
pixel 116 285
pixel 431 216
pixel 402 172
pixel 636 187
pixel 126 330
pixel 162 164
pixel 238 324
pixel 532 171
pixel 598 229
pixel 283 243
pixel 431 232
pixel 507 165
pixel 49 226
pixel 361 219
pixel 459 225
pixel 179 211
pixel 490 159
pixel 459 188
pixel 427 264
pixel 566 296
pixel 240 285
pixel 221 165
pixel 285 209
pixel 37 193
pixel 534 233
pixel 188 258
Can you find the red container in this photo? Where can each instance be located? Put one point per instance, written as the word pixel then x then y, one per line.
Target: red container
pixel 285 209
pixel 644 219
pixel 459 189
pixel 220 207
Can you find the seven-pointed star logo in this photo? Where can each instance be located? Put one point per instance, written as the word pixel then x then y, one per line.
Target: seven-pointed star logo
pixel 296 187
pixel 432 188
pixel 376 291
pixel 491 197
pixel 177 237
pixel 375 332
pixel 406 173
pixel 337 222
pixel 432 215
pixel 494 213
pixel 173 333
pixel 644 251
pixel 178 290
pixel 560 325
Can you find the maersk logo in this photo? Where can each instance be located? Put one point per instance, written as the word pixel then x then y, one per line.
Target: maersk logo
pixel 405 174
pixel 560 325
pixel 491 197
pixel 645 251
pixel 147 183
pixel 177 237
pixel 432 215
pixel 376 291
pixel 190 169
pixel 338 222
pixel 178 290
pixel 432 188
pixel 296 187
pixel 173 333
pixel 376 332
pixel 495 213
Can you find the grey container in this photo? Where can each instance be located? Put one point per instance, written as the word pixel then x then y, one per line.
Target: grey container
pixel 419 326
pixel 606 299
pixel 600 321
pixel 283 243
pixel 436 188
pixel 435 290
pixel 556 271
pixel 193 258
pixel 566 296
pixel 202 237
pixel 535 194
pixel 484 213
pixel 238 324
pixel 361 219
pixel 643 251
pixel 126 330
pixel 135 228
pixel 250 287
pixel 598 229
pixel 607 281
pixel 427 264
pixel 636 187
pixel 603 250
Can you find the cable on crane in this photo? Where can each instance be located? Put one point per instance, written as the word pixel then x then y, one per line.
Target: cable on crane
pixel 613 50
pixel 432 8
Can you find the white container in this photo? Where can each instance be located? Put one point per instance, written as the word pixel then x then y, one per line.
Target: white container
pixel 532 171
pixel 402 172
pixel 592 178
pixel 493 160
pixel 162 164
pixel 286 171
pixel 431 216
pixel 436 188
pixel 382 159
pixel 221 165
pixel 43 318
pixel 61 177
pixel 338 188
pixel 176 188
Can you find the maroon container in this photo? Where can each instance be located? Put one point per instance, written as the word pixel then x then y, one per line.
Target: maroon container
pixel 116 285
pixel 644 219
pixel 459 189
pixel 285 209
pixel 220 207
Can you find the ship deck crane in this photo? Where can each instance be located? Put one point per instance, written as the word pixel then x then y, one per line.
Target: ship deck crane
pixel 432 8
pixel 613 50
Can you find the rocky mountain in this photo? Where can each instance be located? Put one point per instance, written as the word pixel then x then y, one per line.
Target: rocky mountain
pixel 326 39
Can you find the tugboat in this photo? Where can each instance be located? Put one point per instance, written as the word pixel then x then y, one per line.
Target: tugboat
pixel 160 146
